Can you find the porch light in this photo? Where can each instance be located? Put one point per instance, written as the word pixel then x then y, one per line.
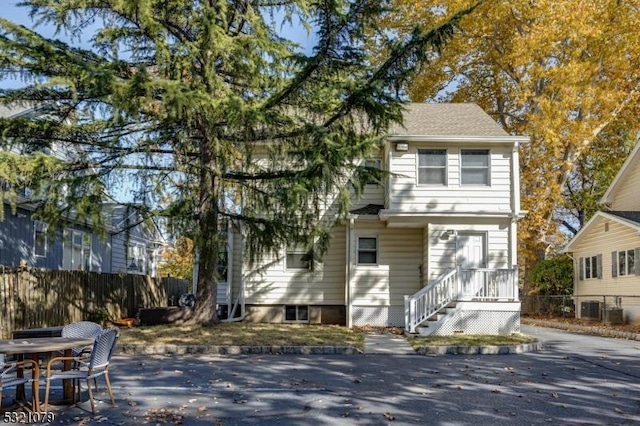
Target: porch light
pixel 402 146
pixel 451 233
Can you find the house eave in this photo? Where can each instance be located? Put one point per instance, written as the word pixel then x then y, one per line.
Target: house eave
pixel 458 139
pixel 570 247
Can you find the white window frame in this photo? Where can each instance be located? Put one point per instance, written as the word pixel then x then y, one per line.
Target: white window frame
pixel 137 258
pixel 296 251
pixel 487 167
pixel 375 163
pixel 445 168
pixel 590 266
pixel 623 267
pixel 40 234
pixel 298 311
pixel 376 251
pixel 85 255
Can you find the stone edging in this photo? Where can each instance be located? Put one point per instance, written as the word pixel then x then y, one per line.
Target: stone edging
pixel 595 330
pixel 480 350
pixel 235 350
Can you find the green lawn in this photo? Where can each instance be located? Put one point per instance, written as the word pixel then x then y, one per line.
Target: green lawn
pixel 470 340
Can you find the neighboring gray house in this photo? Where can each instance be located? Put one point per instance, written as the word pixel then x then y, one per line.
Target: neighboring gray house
pixel 129 246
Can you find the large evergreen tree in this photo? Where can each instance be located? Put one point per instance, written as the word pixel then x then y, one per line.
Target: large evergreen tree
pixel 202 102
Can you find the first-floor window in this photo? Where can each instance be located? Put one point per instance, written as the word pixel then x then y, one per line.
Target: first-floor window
pixel 298 258
pixel 367 251
pixel 623 262
pixel 76 250
pixel 296 313
pixel 39 238
pixel 137 258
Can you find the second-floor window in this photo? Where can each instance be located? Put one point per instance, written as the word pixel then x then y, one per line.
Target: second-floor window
pixel 39 238
pixel 76 250
pixel 432 166
pixel 475 167
pixel 375 164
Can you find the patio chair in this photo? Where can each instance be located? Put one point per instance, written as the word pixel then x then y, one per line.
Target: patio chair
pixel 9 377
pixel 82 329
pixel 98 365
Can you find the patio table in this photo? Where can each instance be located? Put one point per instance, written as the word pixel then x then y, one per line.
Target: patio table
pixel 37 346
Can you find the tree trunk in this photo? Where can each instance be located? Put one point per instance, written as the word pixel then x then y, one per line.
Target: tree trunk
pixel 208 239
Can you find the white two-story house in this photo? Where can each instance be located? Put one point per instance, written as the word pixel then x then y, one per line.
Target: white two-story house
pixel 432 250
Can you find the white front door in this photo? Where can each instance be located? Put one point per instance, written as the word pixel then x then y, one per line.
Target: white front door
pixel 471 251
pixel 471 255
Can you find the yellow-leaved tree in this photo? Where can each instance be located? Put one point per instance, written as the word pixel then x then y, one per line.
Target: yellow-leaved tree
pixel 563 72
pixel 177 259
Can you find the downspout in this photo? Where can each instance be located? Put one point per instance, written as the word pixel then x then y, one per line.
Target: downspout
pixel 230 259
pixel 515 207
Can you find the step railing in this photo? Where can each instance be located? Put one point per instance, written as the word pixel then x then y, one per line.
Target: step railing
pixel 420 306
pixel 459 285
pixel 488 284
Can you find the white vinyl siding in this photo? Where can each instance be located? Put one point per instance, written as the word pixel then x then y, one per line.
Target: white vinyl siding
pixel 596 240
pixel 271 283
pixel 398 270
pixel 442 247
pixel 626 194
pixel 406 195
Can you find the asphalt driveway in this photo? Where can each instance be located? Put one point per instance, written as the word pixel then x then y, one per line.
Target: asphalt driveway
pixel 575 379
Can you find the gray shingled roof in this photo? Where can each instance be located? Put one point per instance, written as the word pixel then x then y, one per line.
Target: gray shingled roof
pixel 629 215
pixel 447 119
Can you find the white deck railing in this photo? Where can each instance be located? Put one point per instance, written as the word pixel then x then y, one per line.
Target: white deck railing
pixel 459 285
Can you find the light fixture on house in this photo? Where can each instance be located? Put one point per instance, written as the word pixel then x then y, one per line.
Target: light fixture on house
pixel 402 146
pixel 133 266
pixel 451 233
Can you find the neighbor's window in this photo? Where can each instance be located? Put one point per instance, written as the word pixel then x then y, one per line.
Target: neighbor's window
pixel 591 267
pixel 626 262
pixel 475 167
pixel 76 253
pixel 136 258
pixel 296 313
pixel 367 251
pixel 39 238
pixel 298 258
pixel 432 166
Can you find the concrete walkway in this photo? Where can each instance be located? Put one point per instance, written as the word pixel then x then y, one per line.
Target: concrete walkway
pixel 387 344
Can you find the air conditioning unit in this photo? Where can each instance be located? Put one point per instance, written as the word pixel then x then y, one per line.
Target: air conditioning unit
pixel 591 310
pixel 613 316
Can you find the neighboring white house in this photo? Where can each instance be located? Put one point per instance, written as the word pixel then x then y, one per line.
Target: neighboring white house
pixel 606 251
pixel 432 250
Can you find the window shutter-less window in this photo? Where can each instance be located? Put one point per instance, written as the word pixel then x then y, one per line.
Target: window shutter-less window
pixel 599 266
pixel 581 267
pixel 614 264
pixel 636 264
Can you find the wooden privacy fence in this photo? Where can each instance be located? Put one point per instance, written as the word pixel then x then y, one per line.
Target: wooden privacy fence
pixel 31 297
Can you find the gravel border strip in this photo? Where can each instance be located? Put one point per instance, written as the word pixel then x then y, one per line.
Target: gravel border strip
pixel 480 350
